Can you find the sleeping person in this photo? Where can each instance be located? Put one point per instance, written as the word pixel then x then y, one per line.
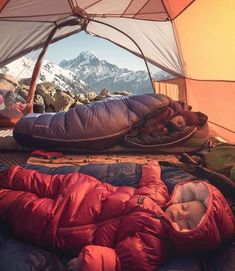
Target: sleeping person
pixel 114 228
pixel 170 121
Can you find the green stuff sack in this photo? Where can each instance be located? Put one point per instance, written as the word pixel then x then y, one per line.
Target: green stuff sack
pixel 222 160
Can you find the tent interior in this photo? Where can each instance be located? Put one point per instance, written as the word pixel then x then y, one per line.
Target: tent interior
pixel 193 40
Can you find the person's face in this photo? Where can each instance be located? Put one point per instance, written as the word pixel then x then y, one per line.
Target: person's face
pixel 178 122
pixel 187 215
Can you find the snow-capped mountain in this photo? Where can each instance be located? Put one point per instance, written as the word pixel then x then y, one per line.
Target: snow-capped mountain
pixel 63 78
pixel 85 73
pixel 99 74
pixel 50 72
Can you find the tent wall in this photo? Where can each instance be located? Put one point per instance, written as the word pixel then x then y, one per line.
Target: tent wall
pixel 174 88
pixel 174 8
pixel 215 99
pixel 206 42
pixel 205 32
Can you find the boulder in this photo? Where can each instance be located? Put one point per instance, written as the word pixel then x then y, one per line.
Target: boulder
pixel 10 78
pixel 80 97
pixel 105 92
pixel 25 81
pixel 123 93
pixel 91 95
pixel 62 101
pixel 47 92
pixel 6 85
pixel 23 91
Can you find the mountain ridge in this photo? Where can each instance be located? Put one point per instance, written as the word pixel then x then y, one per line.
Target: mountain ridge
pixel 85 73
pixel 99 74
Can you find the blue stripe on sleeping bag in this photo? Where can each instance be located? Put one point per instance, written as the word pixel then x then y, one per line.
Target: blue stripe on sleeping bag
pixel 118 174
pixel 174 175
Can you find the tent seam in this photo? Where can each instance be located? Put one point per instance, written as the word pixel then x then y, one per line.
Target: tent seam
pixel 169 18
pixel 221 126
pixel 127 8
pixel 4 5
pixel 183 10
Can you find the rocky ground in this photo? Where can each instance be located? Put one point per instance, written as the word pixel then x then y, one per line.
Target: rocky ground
pixel 48 97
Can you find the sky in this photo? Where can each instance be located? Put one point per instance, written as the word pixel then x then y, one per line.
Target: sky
pixel 72 46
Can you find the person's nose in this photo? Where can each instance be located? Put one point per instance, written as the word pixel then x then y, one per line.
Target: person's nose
pixel 181 214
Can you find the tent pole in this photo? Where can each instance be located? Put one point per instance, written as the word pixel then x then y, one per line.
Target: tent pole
pixel 36 71
pixel 83 23
pixel 38 65
pixel 145 61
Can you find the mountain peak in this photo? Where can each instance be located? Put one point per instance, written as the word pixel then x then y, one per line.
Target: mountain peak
pixel 84 58
pixel 87 54
pixel 99 74
pixel 86 72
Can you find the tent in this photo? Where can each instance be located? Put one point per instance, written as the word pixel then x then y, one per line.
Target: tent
pixel 191 39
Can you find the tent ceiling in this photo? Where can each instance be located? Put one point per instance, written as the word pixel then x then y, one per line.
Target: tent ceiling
pixel 25 24
pixel 156 40
pixel 34 9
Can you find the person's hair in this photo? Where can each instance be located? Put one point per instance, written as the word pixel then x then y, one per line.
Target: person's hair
pixel 202 118
pixel 171 127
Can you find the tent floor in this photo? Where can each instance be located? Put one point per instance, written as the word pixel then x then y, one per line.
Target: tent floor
pixel 7 141
pixel 12 153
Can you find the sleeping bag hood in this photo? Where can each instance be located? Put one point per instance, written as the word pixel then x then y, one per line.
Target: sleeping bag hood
pixel 216 225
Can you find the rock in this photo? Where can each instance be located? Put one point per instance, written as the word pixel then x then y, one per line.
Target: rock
pixel 4 84
pixel 86 101
pixel 23 91
pixel 48 97
pixel 25 81
pixel 47 92
pixel 69 93
pixel 76 103
pixel 105 92
pixel 12 98
pixel 91 95
pixel 62 101
pixel 49 108
pixel 99 98
pixel 38 99
pixel 39 105
pixel 123 93
pixel 10 78
pixel 80 97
